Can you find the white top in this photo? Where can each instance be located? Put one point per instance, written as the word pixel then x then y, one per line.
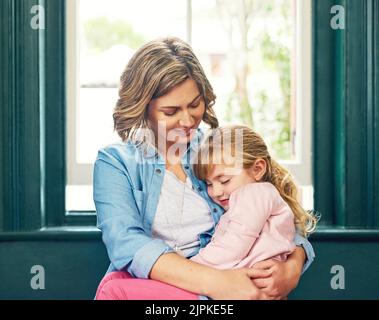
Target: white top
pixel 181 215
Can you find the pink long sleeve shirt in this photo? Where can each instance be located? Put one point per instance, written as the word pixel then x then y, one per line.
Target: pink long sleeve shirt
pixel 258 225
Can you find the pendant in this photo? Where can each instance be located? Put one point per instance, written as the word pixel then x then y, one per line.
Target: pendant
pixel 178 251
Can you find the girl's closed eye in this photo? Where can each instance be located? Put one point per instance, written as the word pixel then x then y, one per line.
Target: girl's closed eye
pixel 226 181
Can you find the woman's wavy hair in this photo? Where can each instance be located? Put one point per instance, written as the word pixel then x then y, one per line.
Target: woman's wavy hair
pixel 153 71
pixel 215 149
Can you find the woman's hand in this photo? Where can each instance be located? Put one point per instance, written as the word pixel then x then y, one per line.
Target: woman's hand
pixel 237 285
pixel 285 275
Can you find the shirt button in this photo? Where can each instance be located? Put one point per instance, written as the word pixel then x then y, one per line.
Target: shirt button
pixel 187 167
pixel 158 171
pixel 200 189
pixel 215 210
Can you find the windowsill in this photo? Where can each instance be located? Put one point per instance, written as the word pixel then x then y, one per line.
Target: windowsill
pixel 340 233
pixel 78 233
pixel 54 234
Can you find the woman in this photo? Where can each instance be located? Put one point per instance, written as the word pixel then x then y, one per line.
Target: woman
pixel 151 209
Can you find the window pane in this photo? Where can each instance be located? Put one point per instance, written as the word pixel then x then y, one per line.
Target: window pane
pixel 108 35
pixel 110 32
pixel 247 49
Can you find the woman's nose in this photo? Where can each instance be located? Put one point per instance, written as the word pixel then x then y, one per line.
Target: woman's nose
pixel 186 120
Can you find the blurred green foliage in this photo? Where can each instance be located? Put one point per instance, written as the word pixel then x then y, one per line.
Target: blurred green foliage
pixel 277 58
pixel 101 34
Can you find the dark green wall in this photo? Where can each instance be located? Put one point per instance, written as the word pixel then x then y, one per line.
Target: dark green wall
pixel 73 268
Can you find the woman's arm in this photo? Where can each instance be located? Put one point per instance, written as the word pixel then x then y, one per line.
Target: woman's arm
pixel 130 248
pixel 285 274
pixel 216 284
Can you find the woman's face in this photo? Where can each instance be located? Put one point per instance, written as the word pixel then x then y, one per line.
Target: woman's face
pixel 175 116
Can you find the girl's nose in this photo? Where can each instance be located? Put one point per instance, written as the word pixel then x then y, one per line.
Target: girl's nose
pixel 218 191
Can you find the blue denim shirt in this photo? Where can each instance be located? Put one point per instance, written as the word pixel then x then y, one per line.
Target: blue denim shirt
pixel 127 182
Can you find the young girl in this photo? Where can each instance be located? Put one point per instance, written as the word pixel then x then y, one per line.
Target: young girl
pixel 259 196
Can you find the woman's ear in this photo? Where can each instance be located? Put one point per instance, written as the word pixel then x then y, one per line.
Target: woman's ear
pixel 258 169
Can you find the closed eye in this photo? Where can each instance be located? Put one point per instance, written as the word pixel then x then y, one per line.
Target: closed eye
pixel 170 112
pixel 195 105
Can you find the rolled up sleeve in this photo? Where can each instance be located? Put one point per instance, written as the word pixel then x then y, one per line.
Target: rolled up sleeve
pixel 301 241
pixel 130 247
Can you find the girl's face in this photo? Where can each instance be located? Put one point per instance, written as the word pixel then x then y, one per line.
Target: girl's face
pixel 222 183
pixel 181 111
pixel 223 180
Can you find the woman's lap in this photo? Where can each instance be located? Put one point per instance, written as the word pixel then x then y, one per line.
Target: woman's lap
pixel 121 285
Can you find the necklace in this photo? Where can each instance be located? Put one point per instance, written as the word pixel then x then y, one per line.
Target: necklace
pixel 170 224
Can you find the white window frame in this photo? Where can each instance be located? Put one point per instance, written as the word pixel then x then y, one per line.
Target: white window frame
pixel 81 174
pixel 77 173
pixel 301 167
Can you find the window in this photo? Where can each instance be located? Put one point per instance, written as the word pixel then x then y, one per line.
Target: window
pixel 256 55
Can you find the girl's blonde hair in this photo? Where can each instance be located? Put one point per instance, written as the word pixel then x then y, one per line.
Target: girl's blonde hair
pixel 152 72
pixel 245 146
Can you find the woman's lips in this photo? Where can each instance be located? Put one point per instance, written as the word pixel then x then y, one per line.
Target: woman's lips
pixel 182 132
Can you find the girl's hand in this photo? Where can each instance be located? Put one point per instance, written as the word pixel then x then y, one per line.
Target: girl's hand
pixel 237 285
pixel 285 275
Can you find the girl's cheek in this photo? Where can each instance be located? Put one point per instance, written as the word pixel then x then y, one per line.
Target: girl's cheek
pixel 231 190
pixel 210 192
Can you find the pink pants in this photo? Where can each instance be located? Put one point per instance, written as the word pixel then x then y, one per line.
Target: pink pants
pixel 121 285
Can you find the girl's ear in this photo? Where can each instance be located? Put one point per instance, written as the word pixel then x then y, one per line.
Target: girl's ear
pixel 258 169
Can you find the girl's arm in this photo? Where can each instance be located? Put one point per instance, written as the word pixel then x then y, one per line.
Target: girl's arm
pixel 285 274
pixel 240 227
pixel 216 284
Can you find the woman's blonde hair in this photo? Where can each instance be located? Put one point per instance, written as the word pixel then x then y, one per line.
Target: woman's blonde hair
pixel 225 143
pixel 152 72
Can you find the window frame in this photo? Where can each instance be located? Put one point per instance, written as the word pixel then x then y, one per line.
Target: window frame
pixel 33 131
pixel 80 174
pixel 72 62
pixel 346 124
pixel 301 167
pixel 53 115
